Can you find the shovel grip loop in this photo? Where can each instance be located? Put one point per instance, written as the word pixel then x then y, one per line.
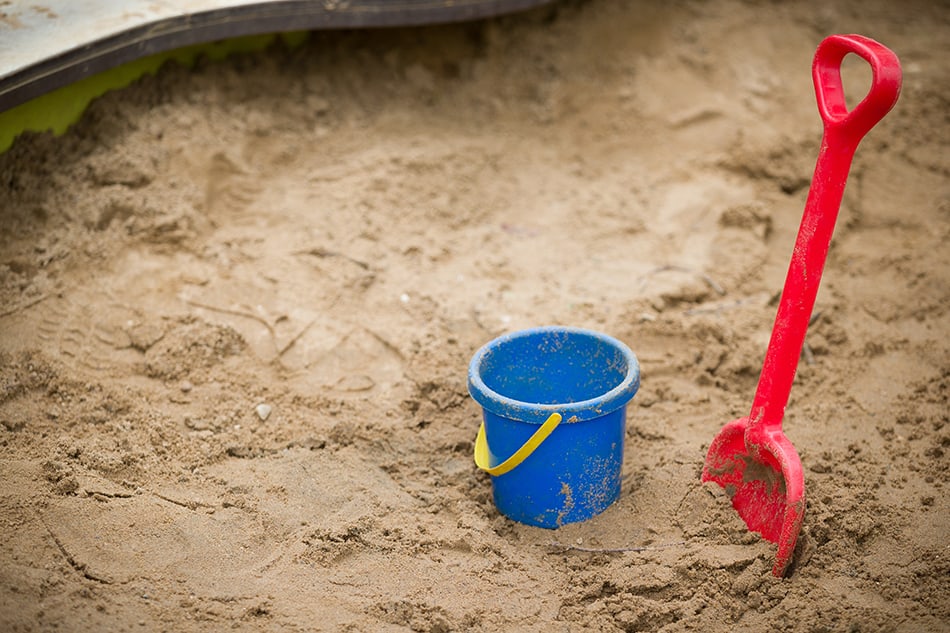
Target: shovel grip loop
pixel 829 90
pixel 483 461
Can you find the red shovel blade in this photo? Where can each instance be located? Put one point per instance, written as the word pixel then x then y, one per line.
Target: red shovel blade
pixel 765 482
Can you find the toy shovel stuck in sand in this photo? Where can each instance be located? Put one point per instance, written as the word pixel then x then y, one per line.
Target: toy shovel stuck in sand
pixel 750 457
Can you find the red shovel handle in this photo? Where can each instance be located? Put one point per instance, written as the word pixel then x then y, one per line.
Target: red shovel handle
pixel 843 130
pixel 885 87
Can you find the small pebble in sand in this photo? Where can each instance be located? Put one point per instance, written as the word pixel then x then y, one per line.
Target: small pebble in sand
pixel 186 386
pixel 263 411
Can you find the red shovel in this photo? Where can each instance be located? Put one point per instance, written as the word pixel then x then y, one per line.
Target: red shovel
pixel 750 457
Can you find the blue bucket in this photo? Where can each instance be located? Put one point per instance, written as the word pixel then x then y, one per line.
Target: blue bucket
pixel 554 413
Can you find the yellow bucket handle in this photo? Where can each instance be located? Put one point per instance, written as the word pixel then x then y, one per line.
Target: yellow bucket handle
pixel 481 447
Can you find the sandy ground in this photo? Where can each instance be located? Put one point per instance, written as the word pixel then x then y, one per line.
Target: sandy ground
pixel 332 231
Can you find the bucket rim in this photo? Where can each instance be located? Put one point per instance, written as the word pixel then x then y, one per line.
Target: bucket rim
pixel 537 413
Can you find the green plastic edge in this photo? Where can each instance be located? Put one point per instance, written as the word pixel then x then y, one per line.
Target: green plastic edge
pixel 56 111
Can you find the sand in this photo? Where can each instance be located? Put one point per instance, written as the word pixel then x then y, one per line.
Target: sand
pixel 239 302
